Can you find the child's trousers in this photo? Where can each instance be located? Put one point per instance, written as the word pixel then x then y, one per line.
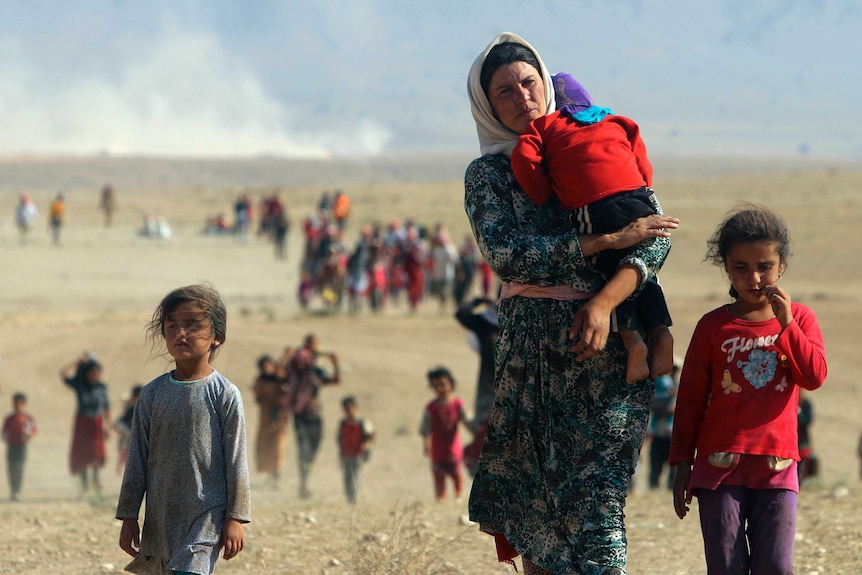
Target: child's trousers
pixel 747 531
pixel 16 455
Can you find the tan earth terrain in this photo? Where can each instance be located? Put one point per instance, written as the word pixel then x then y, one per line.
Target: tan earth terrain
pixel 96 291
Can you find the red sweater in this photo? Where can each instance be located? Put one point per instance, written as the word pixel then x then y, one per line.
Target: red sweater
pixel 580 164
pixel 738 388
pixel 18 428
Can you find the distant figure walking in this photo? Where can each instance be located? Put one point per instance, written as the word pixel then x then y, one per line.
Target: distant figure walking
pixel 355 436
pixel 56 212
pixel 480 316
pixel 304 380
pixel 242 218
pixel 269 395
pixel 439 430
pixel 18 427
pixel 123 427
pixel 107 203
pixel 661 426
pixel 92 421
pixel 25 215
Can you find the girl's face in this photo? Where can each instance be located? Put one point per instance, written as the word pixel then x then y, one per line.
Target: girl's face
pixel 752 266
pixel 188 333
pixel 517 95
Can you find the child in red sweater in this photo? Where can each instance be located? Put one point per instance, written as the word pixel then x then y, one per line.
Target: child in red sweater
pixel 355 436
pixel 734 438
pixel 596 164
pixel 18 428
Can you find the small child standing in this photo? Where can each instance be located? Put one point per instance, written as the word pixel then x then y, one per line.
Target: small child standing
pixel 596 164
pixel 187 451
pixel 355 436
pixel 18 428
pixel 439 430
pixel 734 439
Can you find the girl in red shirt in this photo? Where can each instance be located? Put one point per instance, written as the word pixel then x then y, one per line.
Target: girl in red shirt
pixel 439 430
pixel 734 439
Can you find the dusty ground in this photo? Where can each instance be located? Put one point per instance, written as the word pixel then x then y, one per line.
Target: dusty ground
pixel 97 290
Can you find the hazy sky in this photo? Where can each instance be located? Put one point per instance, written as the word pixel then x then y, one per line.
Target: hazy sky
pixel 336 78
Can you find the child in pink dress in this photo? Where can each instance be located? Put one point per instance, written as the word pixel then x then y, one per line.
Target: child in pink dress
pixel 439 430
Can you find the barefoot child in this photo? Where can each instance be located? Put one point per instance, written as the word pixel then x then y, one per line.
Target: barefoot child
pixel 187 450
pixel 734 438
pixel 597 166
pixel 18 427
pixel 439 429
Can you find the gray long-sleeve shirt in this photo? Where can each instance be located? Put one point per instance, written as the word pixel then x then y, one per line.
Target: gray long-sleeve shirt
pixel 187 453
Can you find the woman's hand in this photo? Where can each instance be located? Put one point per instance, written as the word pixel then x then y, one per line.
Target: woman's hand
pixel 590 329
pixel 645 228
pixel 654 226
pixel 681 493
pixel 591 324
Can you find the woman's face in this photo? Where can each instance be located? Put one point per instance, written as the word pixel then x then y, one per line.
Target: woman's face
pixel 517 95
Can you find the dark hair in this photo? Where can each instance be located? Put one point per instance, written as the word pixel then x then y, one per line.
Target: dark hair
pixel 266 358
pixel 347 401
pixel 19 397
pixel 84 368
pixel 136 390
pixel 502 55
pixel 440 372
pixel 748 223
pixel 202 295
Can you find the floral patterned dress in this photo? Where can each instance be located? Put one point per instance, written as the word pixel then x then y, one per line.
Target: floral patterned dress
pixel 564 436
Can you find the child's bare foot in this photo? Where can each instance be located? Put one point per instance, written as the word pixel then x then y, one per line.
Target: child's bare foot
pixel 661 351
pixel 637 368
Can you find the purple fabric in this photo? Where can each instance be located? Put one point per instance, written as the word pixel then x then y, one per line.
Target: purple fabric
pixel 570 95
pixel 747 530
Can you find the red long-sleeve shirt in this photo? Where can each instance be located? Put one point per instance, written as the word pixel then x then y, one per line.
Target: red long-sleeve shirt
pixel 18 428
pixel 580 164
pixel 740 382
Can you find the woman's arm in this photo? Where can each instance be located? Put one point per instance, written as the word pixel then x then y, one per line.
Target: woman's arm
pixel 646 228
pixel 506 224
pixel 591 325
pixel 69 370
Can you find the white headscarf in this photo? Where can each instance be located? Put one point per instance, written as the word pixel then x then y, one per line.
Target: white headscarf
pixel 494 137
